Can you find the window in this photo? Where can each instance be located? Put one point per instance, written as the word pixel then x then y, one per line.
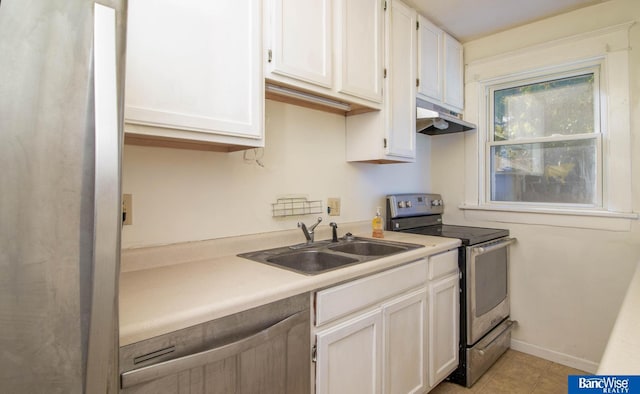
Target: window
pixel 553 143
pixel 544 143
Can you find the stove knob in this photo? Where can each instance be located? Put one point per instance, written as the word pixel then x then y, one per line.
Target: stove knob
pixel 401 204
pixel 408 204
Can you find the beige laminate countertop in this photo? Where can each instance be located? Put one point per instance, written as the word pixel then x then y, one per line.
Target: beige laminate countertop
pixel 207 281
pixel 622 354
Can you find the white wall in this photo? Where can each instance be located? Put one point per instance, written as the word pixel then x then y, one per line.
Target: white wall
pixel 183 195
pixel 567 283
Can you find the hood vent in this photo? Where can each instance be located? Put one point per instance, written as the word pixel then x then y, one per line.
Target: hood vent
pixel 434 120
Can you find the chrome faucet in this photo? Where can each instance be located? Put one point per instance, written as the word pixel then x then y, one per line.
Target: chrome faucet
pixel 308 233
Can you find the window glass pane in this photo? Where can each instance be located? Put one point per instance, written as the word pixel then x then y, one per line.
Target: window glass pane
pixel 550 172
pixel 562 107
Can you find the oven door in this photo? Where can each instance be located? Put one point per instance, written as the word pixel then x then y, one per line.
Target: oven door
pixel 487 268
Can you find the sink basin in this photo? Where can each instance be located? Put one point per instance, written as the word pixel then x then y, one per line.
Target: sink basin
pixel 367 248
pixel 322 256
pixel 311 261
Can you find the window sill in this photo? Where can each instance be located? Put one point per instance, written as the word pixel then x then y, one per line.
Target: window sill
pixel 576 218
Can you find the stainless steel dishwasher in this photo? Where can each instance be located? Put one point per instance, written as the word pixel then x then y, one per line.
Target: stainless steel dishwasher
pixel 262 350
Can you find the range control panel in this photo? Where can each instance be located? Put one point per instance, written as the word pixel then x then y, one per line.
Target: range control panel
pixel 414 204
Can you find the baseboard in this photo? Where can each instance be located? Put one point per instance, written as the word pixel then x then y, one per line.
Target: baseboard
pixel 556 357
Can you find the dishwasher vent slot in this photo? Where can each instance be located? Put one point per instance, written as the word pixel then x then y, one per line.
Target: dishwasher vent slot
pixel 154 354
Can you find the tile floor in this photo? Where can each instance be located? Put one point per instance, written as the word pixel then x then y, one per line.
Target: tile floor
pixel 516 373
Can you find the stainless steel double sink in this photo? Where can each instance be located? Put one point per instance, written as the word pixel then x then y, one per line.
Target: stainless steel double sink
pixel 322 256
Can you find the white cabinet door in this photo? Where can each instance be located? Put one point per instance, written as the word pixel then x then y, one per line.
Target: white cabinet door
pixel 194 70
pixel 389 136
pixel 453 71
pixel 301 40
pixel 359 26
pixel 349 356
pixel 430 60
pixel 443 327
pixel 440 67
pixel 402 87
pixel 405 344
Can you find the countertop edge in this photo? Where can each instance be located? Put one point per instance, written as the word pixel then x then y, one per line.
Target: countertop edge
pixel 621 354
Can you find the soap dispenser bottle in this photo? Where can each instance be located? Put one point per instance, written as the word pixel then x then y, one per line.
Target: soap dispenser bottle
pixel 377 224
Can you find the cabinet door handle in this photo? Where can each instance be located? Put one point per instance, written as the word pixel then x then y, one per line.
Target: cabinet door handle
pixel 493 246
pixel 169 367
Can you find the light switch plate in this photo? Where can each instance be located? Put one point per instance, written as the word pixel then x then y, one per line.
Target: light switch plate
pixel 333 206
pixel 127 209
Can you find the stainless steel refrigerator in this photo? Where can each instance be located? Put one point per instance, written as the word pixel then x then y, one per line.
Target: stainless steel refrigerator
pixel 61 85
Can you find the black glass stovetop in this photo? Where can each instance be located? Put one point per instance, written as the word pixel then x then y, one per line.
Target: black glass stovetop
pixel 468 235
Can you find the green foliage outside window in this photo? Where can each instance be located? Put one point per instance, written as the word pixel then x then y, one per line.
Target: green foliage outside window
pixel 562 106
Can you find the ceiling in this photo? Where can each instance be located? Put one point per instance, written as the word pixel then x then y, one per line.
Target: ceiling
pixel 467 20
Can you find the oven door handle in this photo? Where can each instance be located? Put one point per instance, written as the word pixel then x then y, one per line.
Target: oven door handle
pixel 494 246
pixel 509 324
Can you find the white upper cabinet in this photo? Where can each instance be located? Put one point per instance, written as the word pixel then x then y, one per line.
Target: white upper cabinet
pixel 389 136
pixel 453 71
pixel 402 74
pixel 301 39
pixel 430 60
pixel 361 41
pixel 194 73
pixel 330 48
pixel 440 67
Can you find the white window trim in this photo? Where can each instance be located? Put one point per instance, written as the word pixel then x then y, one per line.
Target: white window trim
pixel 594 66
pixel 608 47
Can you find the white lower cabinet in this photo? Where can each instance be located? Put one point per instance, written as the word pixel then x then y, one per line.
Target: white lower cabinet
pixel 381 351
pixel 349 356
pixel 394 332
pixel 404 328
pixel 444 295
pixel 375 340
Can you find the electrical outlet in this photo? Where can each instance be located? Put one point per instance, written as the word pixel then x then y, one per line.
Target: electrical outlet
pixel 333 206
pixel 127 209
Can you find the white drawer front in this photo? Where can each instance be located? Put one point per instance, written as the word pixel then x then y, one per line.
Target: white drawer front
pixel 347 298
pixel 443 264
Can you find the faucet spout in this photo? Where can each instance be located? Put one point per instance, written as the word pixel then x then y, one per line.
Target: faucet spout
pixel 309 233
pixel 305 232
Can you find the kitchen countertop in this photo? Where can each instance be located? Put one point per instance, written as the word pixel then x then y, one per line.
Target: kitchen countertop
pixel 622 354
pixel 167 288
